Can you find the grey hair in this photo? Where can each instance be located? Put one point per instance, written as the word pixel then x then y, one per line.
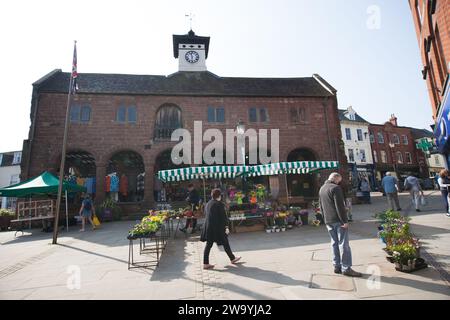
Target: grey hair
pixel 388 173
pixel 334 177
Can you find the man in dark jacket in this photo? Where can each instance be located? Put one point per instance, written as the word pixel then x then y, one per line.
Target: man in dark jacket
pixel 332 205
pixel 216 229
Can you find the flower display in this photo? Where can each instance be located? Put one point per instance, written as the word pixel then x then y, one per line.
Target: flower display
pixel 239 196
pixel 149 224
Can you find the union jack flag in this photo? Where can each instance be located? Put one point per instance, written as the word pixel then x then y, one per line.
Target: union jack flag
pixel 74 75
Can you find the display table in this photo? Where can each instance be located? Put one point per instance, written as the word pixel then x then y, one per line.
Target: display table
pixel 150 244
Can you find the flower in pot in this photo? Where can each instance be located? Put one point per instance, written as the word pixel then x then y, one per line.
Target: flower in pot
pixel 404 256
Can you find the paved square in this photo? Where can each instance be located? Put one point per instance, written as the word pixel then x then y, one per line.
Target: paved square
pixel 295 264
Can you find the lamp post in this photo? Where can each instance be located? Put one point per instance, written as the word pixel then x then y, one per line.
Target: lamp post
pixel 240 130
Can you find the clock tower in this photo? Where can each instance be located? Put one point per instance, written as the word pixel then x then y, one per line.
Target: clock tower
pixel 191 51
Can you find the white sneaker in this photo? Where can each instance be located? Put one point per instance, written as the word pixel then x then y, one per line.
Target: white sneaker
pixel 448 214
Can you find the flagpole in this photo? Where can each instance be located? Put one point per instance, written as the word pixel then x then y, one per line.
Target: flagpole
pixel 63 157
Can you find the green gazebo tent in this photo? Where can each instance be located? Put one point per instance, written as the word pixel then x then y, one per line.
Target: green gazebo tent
pixel 44 184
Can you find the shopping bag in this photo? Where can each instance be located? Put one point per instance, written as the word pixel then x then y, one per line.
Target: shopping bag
pixel 96 221
pixel 423 201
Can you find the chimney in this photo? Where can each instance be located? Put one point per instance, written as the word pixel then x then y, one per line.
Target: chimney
pixel 393 120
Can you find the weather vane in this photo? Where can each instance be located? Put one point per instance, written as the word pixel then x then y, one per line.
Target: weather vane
pixel 190 16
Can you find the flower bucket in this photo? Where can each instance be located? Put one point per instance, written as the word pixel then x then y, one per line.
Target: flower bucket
pixel 268 230
pixel 283 229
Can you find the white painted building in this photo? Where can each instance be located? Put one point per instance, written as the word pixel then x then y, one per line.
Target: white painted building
pixel 355 134
pixel 9 174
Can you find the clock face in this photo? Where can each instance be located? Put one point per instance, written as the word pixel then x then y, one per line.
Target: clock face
pixel 192 56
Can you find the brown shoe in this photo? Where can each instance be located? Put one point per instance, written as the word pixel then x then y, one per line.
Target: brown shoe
pixel 208 266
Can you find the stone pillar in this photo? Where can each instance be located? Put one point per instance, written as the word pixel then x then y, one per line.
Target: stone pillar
pixel 148 190
pixel 100 183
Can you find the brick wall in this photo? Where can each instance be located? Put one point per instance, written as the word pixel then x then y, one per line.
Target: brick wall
pixel 388 130
pixel 103 136
pixel 436 28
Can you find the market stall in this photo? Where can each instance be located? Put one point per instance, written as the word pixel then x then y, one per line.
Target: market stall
pixel 254 209
pixel 41 186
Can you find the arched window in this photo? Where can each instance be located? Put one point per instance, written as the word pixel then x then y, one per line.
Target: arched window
pixel 168 119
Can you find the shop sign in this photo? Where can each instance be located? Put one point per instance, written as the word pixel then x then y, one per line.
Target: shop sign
pixel 443 122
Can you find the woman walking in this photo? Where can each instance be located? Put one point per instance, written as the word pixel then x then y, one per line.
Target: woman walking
pixel 444 183
pixel 86 211
pixel 216 229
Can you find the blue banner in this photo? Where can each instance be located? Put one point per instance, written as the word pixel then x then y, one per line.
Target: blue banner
pixel 441 131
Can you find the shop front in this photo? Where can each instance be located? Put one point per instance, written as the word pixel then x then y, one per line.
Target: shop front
pixel 358 172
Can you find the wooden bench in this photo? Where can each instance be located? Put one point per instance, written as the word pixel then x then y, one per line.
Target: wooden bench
pixel 20 222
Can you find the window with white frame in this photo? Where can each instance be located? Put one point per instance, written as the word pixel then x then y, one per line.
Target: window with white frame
pixel 351 155
pixel 405 139
pixel 359 134
pixel 380 137
pixel 395 139
pixel 362 155
pixel 375 156
pixel 399 157
pixel 372 138
pixel 348 134
pixel 408 157
pixel 17 157
pixel 15 178
pixel 383 156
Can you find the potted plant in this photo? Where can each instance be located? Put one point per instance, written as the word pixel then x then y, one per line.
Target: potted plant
pixel 404 256
pixel 107 209
pixel 304 216
pixel 5 218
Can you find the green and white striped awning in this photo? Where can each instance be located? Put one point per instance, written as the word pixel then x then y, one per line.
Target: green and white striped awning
pixel 296 167
pixel 216 172
pixel 210 172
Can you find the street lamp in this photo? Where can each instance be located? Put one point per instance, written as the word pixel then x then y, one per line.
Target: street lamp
pixel 240 129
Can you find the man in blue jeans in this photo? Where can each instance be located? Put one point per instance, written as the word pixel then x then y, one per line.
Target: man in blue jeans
pixel 332 205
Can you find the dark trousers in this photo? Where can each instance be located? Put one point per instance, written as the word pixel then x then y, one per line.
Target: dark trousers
pixel 192 222
pixel 208 247
pixel 444 197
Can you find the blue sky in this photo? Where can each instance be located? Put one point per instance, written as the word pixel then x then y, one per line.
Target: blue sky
pixel 377 71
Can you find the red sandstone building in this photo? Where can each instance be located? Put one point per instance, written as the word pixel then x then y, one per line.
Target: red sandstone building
pixel 123 123
pixel 394 149
pixel 432 23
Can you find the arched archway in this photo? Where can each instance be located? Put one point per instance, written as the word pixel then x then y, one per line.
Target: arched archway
pixel 168 119
pixel 301 184
pixel 79 168
pixel 125 175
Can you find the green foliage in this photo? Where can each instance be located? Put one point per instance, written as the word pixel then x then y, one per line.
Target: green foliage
pixel 402 253
pixel 6 213
pixel 388 215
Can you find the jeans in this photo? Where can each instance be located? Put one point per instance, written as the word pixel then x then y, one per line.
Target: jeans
pixel 208 247
pixel 339 241
pixel 415 195
pixel 445 198
pixel 392 199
